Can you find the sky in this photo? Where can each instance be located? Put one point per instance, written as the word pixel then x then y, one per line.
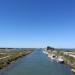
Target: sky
pixel 37 23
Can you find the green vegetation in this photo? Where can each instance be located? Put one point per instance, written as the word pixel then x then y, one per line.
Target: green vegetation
pixel 9 55
pixel 50 48
pixel 70 61
pixel 68 56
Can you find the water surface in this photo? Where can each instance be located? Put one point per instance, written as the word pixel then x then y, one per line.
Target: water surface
pixel 36 63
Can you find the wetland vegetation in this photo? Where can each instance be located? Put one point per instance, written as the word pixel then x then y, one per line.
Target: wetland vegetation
pixel 67 54
pixel 9 55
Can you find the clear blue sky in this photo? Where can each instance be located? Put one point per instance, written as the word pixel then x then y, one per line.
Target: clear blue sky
pixel 37 23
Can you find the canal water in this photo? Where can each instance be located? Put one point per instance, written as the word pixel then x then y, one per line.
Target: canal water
pixel 36 63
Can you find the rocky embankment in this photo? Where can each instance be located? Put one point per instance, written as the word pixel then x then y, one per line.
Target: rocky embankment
pixel 67 56
pixel 7 56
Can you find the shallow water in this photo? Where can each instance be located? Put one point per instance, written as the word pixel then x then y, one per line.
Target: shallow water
pixel 36 63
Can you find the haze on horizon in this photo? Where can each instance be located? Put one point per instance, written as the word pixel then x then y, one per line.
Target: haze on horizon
pixel 37 23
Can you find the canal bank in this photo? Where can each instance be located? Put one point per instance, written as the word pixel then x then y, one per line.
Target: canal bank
pixel 11 56
pixel 36 63
pixel 62 56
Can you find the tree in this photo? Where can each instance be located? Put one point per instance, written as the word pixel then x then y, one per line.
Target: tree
pixel 49 48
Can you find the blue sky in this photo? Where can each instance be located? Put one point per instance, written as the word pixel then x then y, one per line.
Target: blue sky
pixel 37 23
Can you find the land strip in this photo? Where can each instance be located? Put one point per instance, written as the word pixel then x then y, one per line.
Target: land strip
pixel 7 56
pixel 67 55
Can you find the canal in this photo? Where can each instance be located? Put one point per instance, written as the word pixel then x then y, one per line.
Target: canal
pixel 36 63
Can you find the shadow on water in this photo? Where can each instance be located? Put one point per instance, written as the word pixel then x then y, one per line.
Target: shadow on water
pixel 36 63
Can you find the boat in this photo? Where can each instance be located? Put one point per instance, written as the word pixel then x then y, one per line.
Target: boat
pixel 45 52
pixel 60 59
pixel 52 56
